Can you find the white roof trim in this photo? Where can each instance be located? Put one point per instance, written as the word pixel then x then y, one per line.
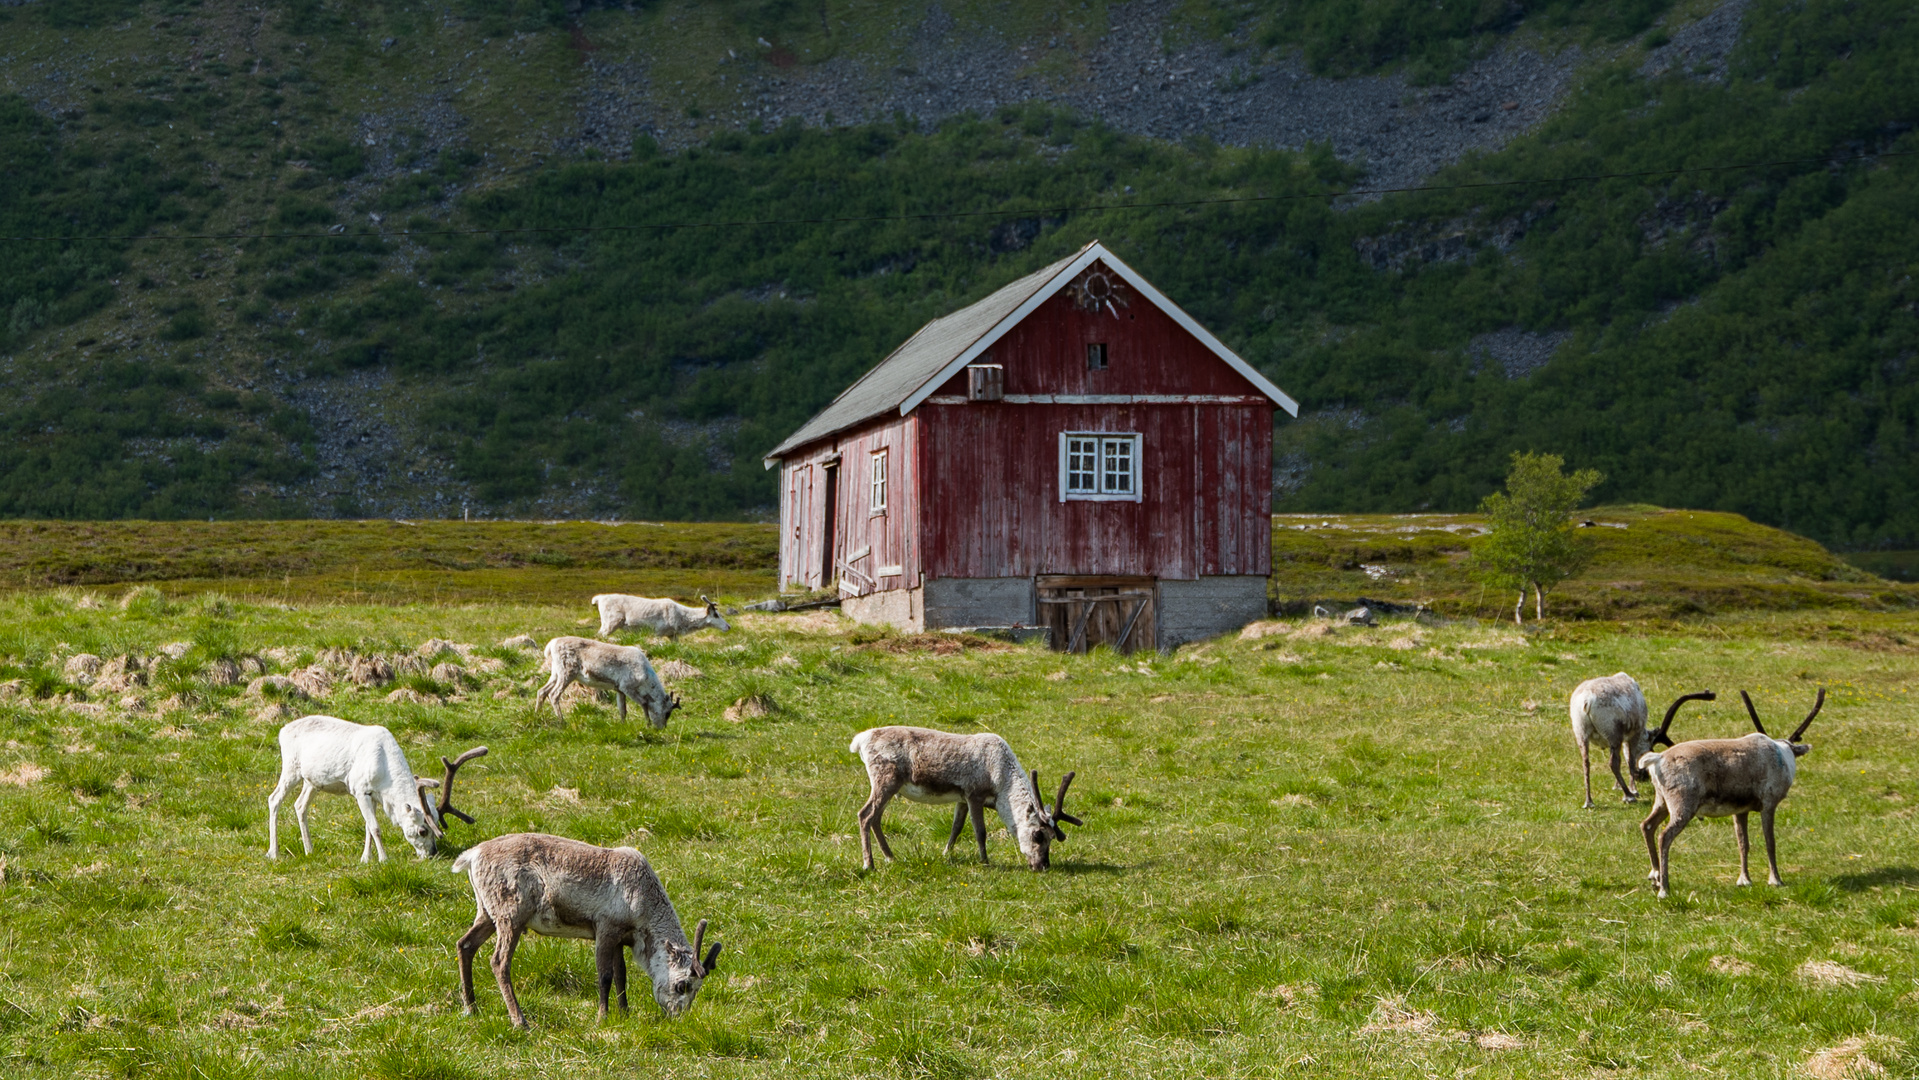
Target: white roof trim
pixel 1092 252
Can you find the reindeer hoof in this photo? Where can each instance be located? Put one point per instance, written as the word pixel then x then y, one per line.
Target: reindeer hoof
pixel 1662 894
pixel 1743 880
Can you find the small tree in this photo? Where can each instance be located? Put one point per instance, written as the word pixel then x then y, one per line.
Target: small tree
pixel 1533 541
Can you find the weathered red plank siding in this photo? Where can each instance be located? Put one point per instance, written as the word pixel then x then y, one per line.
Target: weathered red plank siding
pixel 892 536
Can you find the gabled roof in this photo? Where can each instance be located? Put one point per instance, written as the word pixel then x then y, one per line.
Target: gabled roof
pixel 942 349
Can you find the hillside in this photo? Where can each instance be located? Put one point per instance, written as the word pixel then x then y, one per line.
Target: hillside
pixel 1733 340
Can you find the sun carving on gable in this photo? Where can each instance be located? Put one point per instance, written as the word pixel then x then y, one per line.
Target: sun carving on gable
pixel 1099 289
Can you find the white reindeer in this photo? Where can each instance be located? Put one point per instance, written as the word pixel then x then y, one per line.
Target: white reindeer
pixel 973 771
pixel 325 753
pixel 623 669
pixel 557 887
pixel 1613 710
pixel 668 618
pixel 1720 777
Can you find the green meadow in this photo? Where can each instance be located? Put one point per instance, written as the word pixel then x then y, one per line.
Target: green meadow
pixel 1312 850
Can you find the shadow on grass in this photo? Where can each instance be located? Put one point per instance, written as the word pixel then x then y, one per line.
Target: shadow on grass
pixel 1087 868
pixel 1885 875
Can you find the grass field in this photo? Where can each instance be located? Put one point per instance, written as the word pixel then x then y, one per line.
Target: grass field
pixel 1348 853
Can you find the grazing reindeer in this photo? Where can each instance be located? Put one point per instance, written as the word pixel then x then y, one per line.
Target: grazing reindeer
pixel 623 669
pixel 973 771
pixel 1720 777
pixel 557 887
pixel 328 754
pixel 667 618
pixel 1612 710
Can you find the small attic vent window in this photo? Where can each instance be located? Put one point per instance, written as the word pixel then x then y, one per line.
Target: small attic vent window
pixel 1096 357
pixel 985 382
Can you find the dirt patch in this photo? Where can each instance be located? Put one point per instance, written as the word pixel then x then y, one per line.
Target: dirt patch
pixel 937 644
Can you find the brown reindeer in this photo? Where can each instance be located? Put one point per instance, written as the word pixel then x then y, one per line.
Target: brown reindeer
pixel 557 887
pixel 973 771
pixel 1720 777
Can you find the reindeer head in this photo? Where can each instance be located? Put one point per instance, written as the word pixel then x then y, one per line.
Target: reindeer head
pixel 678 972
pixel 1799 749
pixel 713 617
pixel 415 818
pixel 1652 738
pixel 1037 835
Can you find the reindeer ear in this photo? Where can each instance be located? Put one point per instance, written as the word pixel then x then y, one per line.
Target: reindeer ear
pixel 712 959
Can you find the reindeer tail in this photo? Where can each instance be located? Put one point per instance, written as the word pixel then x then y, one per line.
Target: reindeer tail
pixel 464 863
pixel 859 743
pixel 1650 763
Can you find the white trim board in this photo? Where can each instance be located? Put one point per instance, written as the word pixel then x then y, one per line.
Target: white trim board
pixel 1108 399
pixel 1093 252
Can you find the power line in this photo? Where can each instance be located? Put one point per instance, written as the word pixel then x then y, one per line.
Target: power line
pixel 753 223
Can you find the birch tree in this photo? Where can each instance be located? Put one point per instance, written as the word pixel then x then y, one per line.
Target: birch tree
pixel 1533 541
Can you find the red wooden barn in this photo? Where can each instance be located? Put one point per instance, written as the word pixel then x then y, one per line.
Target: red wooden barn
pixel 1072 451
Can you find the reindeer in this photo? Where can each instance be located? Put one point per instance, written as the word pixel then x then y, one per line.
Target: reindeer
pixel 557 887
pixel 325 753
pixel 1613 710
pixel 973 771
pixel 1721 777
pixel 623 669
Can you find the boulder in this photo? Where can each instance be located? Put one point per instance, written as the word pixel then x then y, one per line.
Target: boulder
pixel 1361 616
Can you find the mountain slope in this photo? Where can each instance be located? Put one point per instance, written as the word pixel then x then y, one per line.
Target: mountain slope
pixel 1738 340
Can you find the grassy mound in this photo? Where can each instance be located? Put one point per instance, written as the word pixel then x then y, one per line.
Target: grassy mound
pixel 1648 562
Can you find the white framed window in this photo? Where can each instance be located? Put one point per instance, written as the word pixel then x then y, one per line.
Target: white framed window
pixel 1099 466
pixel 878 504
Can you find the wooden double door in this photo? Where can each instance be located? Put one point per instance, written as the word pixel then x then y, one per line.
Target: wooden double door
pixel 1087 610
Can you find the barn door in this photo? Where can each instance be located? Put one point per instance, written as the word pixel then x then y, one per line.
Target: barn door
pixel 830 515
pixel 1084 611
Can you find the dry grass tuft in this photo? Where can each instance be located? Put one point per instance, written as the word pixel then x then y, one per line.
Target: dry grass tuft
pixel 1851 1060
pixel 1834 974
pixel 1731 965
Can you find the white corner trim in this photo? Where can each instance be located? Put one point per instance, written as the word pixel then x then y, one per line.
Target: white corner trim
pixel 1096 251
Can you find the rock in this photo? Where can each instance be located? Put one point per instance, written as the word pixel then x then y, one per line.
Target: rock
pixel 751 707
pixel 370 671
pixel 315 681
pixel 279 685
pixel 412 697
pixel 174 650
pixel 1361 616
pixel 520 641
pixel 447 674
pixel 224 672
pixel 675 670
pixel 81 669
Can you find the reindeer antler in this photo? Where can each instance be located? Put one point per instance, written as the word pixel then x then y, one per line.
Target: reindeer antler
pixel 1816 706
pixel 1660 736
pixel 1059 805
pixel 712 958
pixel 446 790
pixel 1754 713
pixel 433 825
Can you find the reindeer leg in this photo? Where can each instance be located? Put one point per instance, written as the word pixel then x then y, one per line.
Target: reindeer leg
pixel 1586 759
pixel 372 827
pixel 503 968
pixel 978 808
pixel 1680 819
pixel 470 943
pixel 1772 855
pixel 1631 795
pixel 1739 829
pixel 959 822
pixel 622 696
pixel 1651 825
pixel 870 823
pixel 273 814
pixel 300 814
pixel 619 974
pixel 607 960
pixel 879 831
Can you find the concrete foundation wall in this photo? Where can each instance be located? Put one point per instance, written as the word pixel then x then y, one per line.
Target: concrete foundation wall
pixel 893 607
pixel 979 602
pixel 1208 607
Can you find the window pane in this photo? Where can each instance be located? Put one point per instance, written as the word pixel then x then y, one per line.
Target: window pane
pixel 1117 475
pixel 1082 463
pixel 879 482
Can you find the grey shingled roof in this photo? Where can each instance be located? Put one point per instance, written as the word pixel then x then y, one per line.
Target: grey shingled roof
pixel 920 358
